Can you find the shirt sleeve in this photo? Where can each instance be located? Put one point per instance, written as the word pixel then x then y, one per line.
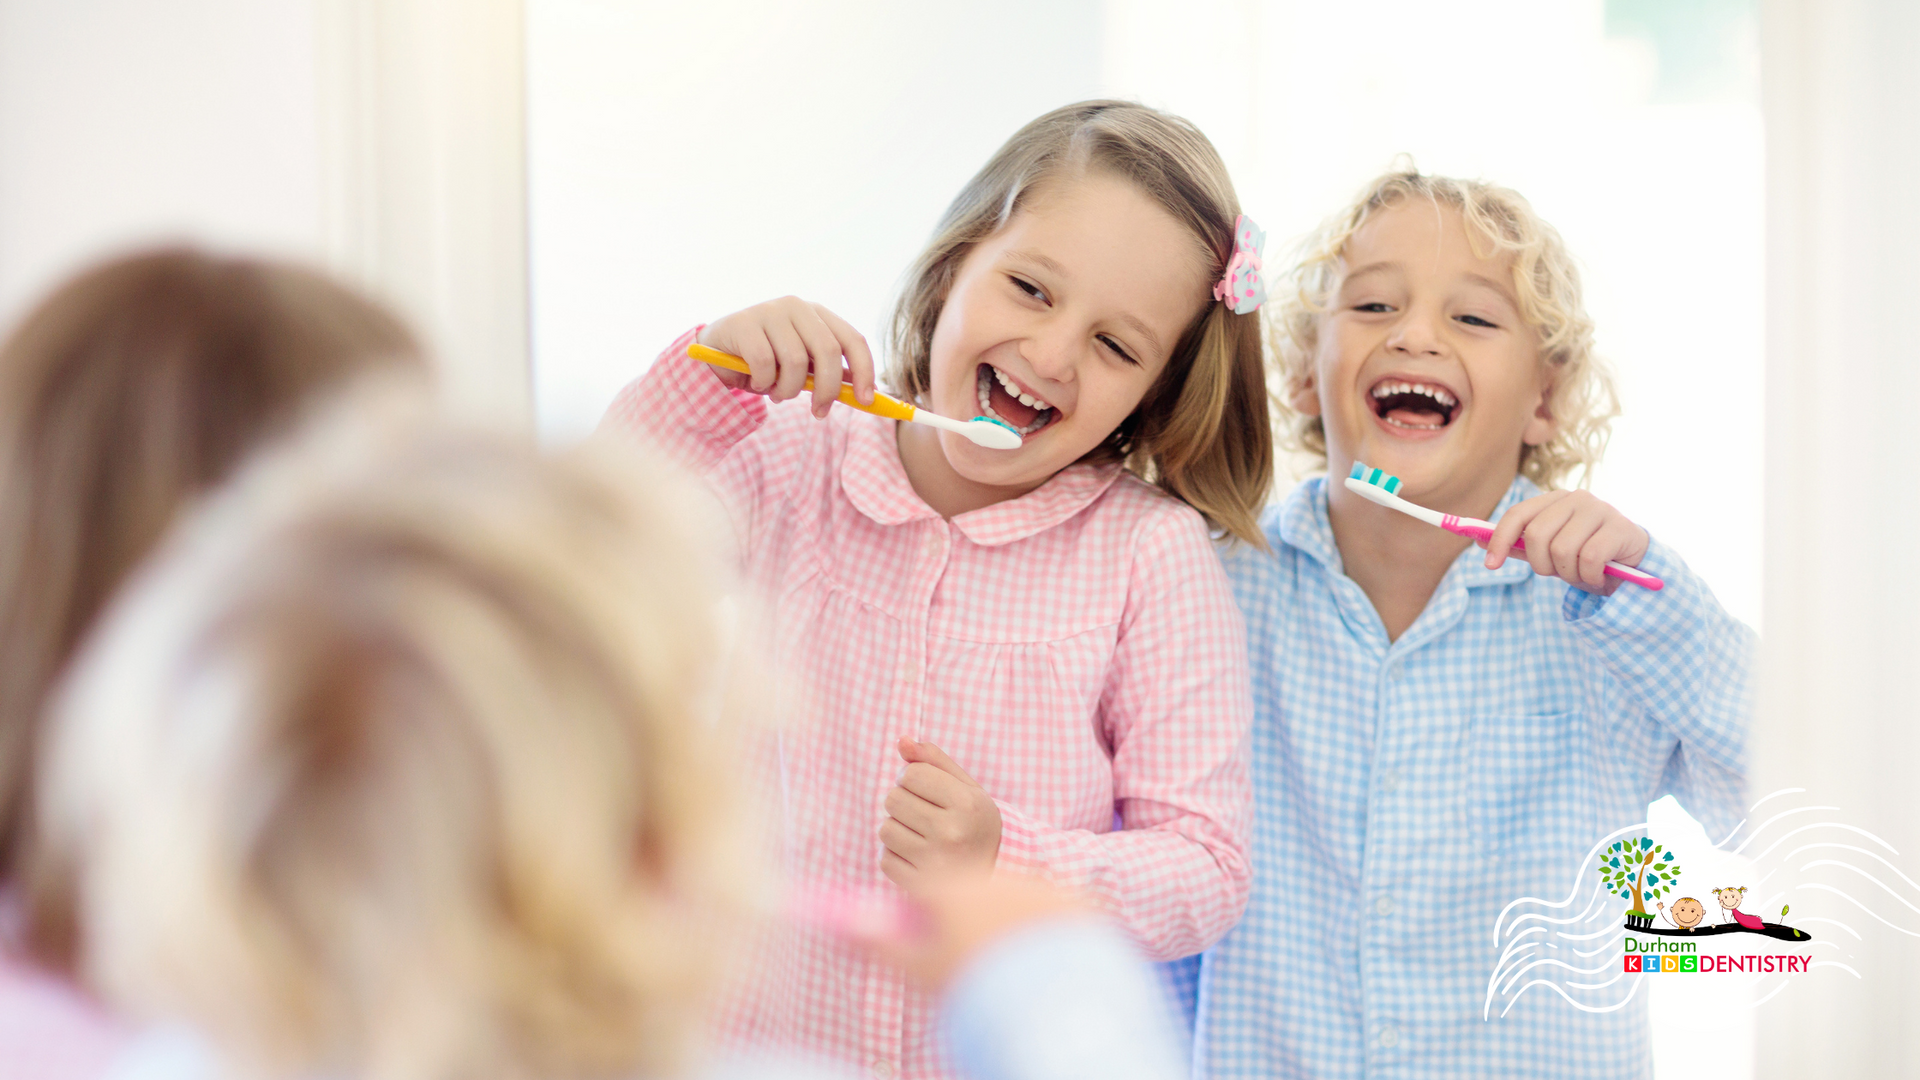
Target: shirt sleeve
pixel 1062 1000
pixel 1176 713
pixel 1687 665
pixel 681 410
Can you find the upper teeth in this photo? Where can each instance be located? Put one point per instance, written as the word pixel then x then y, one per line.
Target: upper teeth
pixel 1013 391
pixel 1437 393
pixel 985 390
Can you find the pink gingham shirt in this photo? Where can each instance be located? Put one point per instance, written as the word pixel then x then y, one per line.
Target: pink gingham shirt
pixel 1076 650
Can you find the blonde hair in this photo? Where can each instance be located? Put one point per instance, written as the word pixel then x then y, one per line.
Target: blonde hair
pixel 396 769
pixel 1202 432
pixel 1546 284
pixel 131 390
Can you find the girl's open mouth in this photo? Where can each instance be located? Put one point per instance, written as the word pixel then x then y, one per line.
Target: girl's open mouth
pixel 1417 406
pixel 1001 398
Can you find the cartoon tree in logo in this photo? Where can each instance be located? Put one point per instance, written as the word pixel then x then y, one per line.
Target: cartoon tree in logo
pixel 1638 870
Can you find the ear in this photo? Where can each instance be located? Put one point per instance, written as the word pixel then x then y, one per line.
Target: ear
pixel 1541 426
pixel 1305 396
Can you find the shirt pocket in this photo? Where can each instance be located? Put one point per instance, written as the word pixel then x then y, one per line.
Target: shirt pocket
pixel 1522 768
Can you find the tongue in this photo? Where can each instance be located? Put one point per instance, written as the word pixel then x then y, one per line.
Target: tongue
pixel 1416 417
pixel 1010 408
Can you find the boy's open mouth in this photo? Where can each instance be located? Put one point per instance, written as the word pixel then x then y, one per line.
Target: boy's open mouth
pixel 1001 398
pixel 1417 406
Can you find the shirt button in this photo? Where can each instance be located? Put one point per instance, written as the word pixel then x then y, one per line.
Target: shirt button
pixel 882 1069
pixel 908 670
pixel 1384 905
pixel 1393 671
pixel 1389 1037
pixel 1389 782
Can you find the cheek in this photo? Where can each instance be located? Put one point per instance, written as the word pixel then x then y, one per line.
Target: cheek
pixel 1113 394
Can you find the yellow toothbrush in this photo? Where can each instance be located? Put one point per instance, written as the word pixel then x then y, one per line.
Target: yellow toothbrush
pixel 991 434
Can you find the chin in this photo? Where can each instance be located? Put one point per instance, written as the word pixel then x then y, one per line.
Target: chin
pixel 1025 468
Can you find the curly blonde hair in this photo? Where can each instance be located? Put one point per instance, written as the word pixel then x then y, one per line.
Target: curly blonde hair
pixel 1546 283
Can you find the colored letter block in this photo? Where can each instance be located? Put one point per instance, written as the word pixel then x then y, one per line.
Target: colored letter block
pixel 1669 963
pixel 1689 963
pixel 1633 963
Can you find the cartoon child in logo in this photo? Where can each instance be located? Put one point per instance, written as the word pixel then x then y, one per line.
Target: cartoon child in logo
pixel 1730 899
pixel 1686 913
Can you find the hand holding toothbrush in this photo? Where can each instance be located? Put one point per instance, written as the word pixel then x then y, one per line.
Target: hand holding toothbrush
pixel 783 341
pixel 1583 542
pixel 777 347
pixel 1570 535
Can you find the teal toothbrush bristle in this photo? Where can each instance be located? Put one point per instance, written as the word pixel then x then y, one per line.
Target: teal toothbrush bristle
pixel 1385 481
pixel 1002 423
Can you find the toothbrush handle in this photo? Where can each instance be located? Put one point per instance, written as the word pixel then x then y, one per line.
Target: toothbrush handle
pixel 891 408
pixel 854 914
pixel 1475 529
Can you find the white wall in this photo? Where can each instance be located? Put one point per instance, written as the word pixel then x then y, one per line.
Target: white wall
pixel 122 122
pixel 1838 709
pixel 381 138
pixel 687 160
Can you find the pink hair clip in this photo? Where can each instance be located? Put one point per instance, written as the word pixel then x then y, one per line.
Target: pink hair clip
pixel 1241 285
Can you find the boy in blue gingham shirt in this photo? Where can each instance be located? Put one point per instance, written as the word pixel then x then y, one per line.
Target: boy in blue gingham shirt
pixel 1440 730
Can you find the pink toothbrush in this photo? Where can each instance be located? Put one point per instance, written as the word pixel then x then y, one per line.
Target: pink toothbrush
pixel 1380 487
pixel 854 913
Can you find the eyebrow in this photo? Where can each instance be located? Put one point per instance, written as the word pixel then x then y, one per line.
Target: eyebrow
pixel 1133 322
pixel 1041 261
pixel 1142 329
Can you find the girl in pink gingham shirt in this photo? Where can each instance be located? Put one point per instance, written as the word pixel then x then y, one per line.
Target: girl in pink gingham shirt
pixel 1027 659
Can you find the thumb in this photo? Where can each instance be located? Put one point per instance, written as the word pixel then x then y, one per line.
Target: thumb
pixel 934 756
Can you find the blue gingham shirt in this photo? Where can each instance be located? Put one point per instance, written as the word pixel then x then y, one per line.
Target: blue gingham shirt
pixel 1408 790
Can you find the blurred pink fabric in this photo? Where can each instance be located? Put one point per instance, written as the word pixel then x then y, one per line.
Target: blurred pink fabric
pixel 49 1028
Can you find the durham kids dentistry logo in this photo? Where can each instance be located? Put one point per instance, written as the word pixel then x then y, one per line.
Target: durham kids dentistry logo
pixel 1639 870
pixel 1665 900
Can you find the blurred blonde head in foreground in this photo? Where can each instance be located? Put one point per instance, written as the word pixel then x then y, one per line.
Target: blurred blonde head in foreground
pixel 393 765
pixel 126 394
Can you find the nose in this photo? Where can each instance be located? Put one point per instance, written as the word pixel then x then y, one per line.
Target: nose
pixel 1417 333
pixel 1054 352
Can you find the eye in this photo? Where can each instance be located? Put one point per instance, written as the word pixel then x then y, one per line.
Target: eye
pixel 1475 320
pixel 1373 307
pixel 1028 287
pixel 1118 351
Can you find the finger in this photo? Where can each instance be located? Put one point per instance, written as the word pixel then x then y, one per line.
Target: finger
pixel 1615 542
pixel 823 348
pixel 1539 535
pixel 853 345
pixel 1508 528
pixel 939 789
pixel 792 353
pixel 762 366
pixel 912 811
pixel 1571 544
pixel 936 757
pixel 1611 536
pixel 901 840
pixel 898 870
